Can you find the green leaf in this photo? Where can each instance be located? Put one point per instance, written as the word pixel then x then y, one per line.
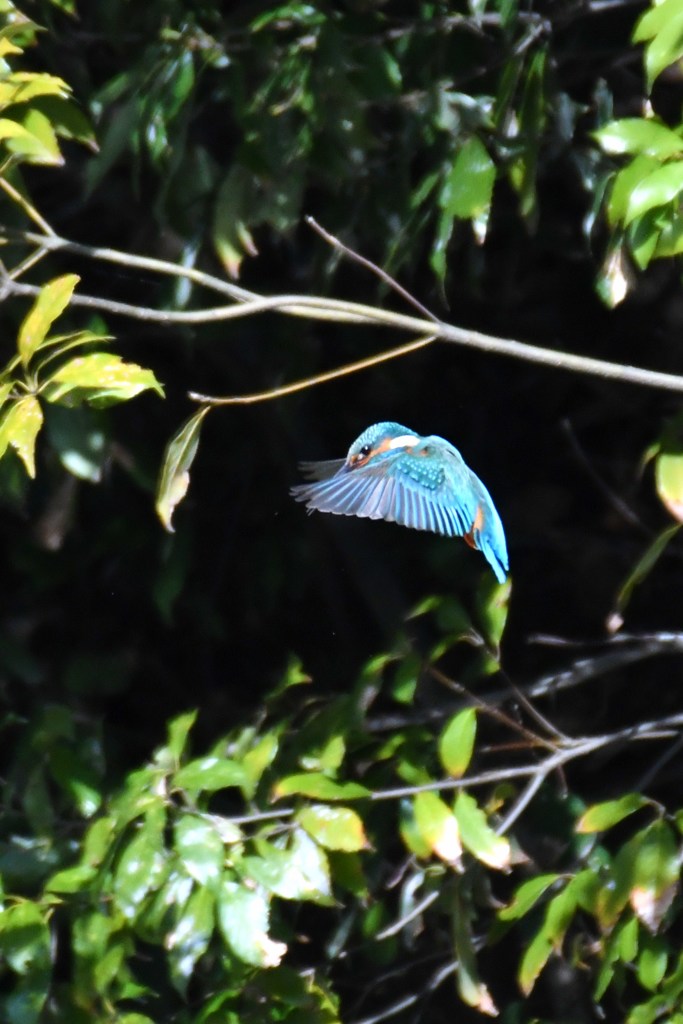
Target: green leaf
pixel 261 754
pixel 71 879
pixel 24 938
pixel 477 835
pixel 100 378
pixel 318 786
pixel 603 816
pixel 644 567
pixel 471 988
pixel 190 937
pixel 558 917
pixel 468 187
pixel 19 427
pixel 655 877
pixel 669 470
pixel 639 135
pixel 231 237
pixel 174 478
pixel 438 827
pixel 623 184
pixel 659 187
pixel 456 742
pixel 336 828
pixel 243 920
pixel 25 946
pixel 53 299
pixel 207 774
pixel 178 732
pixel 527 896
pixel 666 47
pixel 652 961
pixel 141 864
pixel 200 848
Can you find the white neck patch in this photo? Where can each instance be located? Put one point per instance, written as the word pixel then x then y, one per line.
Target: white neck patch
pixel 404 441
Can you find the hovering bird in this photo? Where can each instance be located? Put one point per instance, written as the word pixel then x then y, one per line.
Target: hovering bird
pixel 423 482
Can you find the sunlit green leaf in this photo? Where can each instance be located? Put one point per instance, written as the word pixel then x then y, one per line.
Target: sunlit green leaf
pixel 468 187
pixel 190 937
pixel 71 879
pixel 652 961
pixel 243 918
pixel 319 786
pixel 477 835
pixel 19 427
pixel 611 812
pixel 527 896
pixel 438 827
pixel 471 988
pixel 141 865
pixel 209 774
pixel 558 917
pixel 200 848
pixel 644 566
pixel 661 186
pixel 639 135
pixel 337 828
pixel 656 871
pixel 456 742
pixel 174 478
pixel 666 46
pixel 53 299
pixel 100 378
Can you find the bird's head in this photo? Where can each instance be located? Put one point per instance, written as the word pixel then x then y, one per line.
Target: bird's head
pixel 377 440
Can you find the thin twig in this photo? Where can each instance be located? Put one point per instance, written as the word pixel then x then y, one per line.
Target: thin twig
pixel 26 206
pixel 337 244
pixel 309 382
pixel 302 385
pixel 397 926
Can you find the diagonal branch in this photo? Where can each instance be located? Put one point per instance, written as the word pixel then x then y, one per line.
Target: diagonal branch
pixel 246 303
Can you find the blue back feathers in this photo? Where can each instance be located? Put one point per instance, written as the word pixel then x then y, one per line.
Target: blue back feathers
pixel 392 473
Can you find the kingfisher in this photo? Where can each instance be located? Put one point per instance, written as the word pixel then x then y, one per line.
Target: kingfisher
pixel 392 473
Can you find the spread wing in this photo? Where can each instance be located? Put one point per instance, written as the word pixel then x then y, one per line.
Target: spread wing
pixel 427 488
pixel 413 490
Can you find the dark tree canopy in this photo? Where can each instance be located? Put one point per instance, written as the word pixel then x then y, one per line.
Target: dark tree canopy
pixel 264 767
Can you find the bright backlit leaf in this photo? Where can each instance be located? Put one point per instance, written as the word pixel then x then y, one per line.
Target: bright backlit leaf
pixel 200 848
pixel 438 827
pixel 209 774
pixel 19 427
pixel 174 478
pixel 190 936
pixel 100 378
pixel 456 742
pixel 527 896
pixel 639 135
pixel 611 812
pixel 319 786
pixel 477 835
pixel 337 828
pixel 243 918
pixel 53 299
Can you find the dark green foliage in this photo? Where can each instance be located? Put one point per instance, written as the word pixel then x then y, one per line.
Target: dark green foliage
pixel 365 818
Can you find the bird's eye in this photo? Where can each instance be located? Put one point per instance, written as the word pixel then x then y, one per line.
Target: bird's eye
pixel 365 451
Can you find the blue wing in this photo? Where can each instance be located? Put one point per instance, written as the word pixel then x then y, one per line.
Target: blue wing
pixel 428 488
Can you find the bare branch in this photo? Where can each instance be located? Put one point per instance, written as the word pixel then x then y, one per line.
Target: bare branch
pixel 317 308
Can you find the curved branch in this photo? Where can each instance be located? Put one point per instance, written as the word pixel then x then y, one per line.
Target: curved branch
pixel 247 303
pixel 309 382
